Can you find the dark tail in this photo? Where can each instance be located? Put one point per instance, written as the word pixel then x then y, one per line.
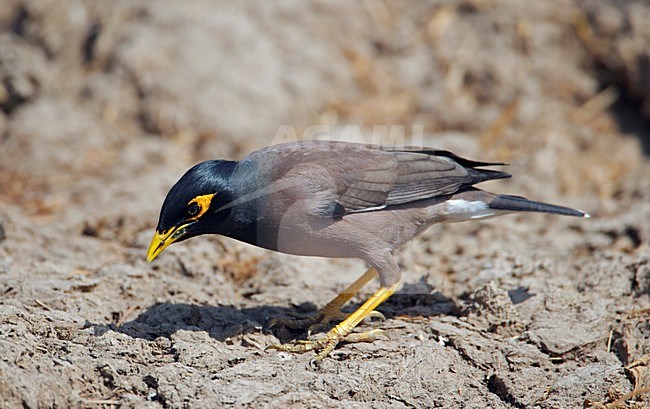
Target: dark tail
pixel 481 175
pixel 521 204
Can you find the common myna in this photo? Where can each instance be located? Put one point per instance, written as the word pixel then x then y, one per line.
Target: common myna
pixel 334 199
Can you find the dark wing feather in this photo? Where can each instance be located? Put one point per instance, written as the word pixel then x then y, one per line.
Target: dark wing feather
pixel 369 186
pixel 366 177
pixel 439 152
pixel 414 176
pixel 422 176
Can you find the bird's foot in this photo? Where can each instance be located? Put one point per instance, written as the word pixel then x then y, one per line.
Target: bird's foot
pixel 327 344
pixel 342 330
pixel 316 322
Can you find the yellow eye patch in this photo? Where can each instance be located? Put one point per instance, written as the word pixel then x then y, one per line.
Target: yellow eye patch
pixel 203 202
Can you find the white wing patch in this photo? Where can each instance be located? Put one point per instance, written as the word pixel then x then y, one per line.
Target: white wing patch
pixel 368 209
pixel 458 209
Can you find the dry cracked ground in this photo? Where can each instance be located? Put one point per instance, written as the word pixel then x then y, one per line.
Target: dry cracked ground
pixel 103 105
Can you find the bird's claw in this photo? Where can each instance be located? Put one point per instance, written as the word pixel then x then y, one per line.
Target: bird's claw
pixel 377 314
pixel 327 344
pixel 368 336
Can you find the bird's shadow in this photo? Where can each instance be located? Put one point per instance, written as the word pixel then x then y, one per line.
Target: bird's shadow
pixel 224 322
pixel 221 322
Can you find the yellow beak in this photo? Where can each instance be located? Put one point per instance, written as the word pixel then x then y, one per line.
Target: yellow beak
pixel 162 239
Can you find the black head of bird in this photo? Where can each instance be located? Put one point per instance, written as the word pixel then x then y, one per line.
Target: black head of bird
pixel 195 205
pixel 334 199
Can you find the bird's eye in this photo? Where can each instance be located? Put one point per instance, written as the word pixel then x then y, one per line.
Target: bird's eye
pixel 193 209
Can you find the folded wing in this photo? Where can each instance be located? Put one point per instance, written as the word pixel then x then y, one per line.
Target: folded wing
pixel 357 178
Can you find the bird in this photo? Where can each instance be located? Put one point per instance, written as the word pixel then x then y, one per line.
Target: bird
pixel 334 199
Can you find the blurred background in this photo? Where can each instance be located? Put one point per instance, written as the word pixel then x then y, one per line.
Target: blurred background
pixel 103 105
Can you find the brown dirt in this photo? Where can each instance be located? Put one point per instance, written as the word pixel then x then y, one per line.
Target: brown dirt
pixel 104 104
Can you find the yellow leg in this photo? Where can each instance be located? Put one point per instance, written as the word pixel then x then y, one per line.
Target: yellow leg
pixel 339 332
pixel 331 311
pixel 337 303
